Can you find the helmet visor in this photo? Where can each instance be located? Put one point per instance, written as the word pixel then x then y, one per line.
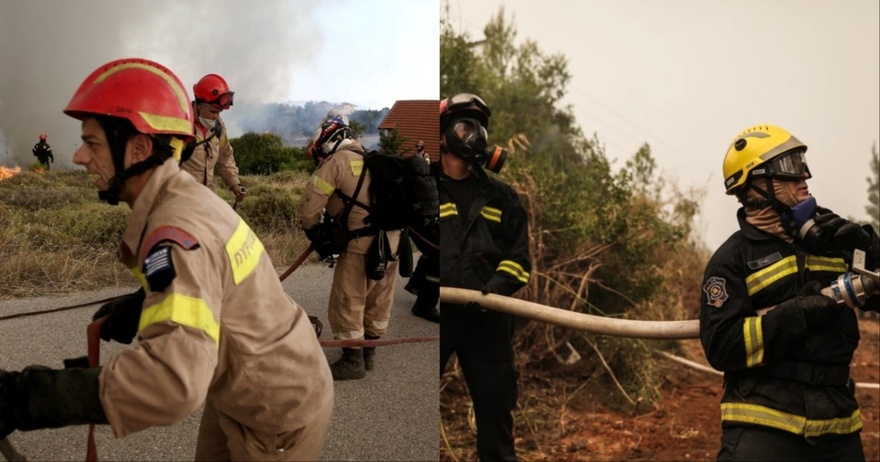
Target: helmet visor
pixel 224 101
pixel 462 101
pixel 791 165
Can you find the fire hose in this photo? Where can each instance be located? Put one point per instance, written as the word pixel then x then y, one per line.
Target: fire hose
pixel 580 321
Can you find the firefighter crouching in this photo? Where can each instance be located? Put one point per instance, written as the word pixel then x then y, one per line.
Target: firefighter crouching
pixel 787 393
pixel 213 322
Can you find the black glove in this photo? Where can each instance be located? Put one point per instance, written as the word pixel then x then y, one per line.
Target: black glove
pixel 124 315
pixel 39 397
pixel 810 308
pixel 500 285
pixel 323 240
pixel 841 234
pixel 217 129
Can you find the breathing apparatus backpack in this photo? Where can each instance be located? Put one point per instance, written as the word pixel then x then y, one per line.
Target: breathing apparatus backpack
pixel 403 193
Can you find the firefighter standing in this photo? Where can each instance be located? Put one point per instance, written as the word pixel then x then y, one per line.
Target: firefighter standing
pixel 213 321
pixel 43 152
pixel 360 301
pixel 787 393
pixel 211 147
pixel 483 246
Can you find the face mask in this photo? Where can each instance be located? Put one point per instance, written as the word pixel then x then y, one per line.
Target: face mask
pixel 208 123
pixel 466 138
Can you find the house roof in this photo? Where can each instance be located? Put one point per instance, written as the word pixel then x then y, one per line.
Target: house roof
pixel 416 119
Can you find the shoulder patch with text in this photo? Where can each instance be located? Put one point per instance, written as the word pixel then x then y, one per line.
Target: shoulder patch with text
pixel 716 291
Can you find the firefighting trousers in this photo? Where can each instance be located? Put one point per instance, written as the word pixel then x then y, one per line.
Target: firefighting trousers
pixel 482 341
pixel 359 305
pixel 768 444
pixel 221 438
pixel 426 279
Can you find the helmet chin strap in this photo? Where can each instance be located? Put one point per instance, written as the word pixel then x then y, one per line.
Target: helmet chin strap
pixel 117 140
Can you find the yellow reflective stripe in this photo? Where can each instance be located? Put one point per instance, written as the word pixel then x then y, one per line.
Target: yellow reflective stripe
pixel 165 123
pixel 244 250
pixel 322 185
pixel 753 335
pixel 356 167
pixel 761 279
pixel 799 425
pixel 448 209
pixel 140 276
pixel 186 311
pixel 835 265
pixel 514 268
pixel 491 214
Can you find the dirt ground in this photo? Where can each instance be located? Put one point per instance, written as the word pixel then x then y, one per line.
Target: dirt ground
pixel 684 425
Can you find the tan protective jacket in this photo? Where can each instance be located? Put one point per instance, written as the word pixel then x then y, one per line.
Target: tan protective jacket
pixel 217 151
pixel 223 328
pixel 341 171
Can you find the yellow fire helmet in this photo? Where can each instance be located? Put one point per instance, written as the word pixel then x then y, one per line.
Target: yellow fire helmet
pixel 755 147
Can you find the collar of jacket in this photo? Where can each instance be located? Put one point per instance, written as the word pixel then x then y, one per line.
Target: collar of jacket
pixel 142 207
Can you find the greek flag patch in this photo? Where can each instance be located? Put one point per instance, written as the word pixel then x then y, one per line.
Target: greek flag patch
pixel 159 268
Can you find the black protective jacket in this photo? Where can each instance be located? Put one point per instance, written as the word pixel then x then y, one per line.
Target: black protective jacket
pixel 778 375
pixel 491 246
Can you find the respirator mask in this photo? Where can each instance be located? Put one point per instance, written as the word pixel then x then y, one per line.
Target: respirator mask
pixel 467 139
pixel 799 222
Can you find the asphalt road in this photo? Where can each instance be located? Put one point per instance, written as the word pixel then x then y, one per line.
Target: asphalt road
pixel 392 414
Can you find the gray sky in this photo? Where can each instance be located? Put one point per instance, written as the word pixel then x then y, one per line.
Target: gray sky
pixel 686 76
pixel 369 53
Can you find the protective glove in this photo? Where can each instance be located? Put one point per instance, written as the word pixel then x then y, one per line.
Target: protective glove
pixel 240 192
pixel 323 241
pixel 39 397
pixel 500 285
pixel 217 129
pixel 842 234
pixel 817 311
pixel 124 315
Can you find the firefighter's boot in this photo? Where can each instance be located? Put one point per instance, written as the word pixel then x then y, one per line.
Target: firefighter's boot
pixel 350 366
pixel 370 353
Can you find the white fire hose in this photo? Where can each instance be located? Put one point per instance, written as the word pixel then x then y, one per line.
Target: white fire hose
pixel 669 330
pixel 580 321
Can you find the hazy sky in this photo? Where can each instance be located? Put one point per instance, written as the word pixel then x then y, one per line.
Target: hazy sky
pixel 366 52
pixel 686 76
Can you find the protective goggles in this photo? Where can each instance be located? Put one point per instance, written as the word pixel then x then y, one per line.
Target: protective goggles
pixel 462 101
pixel 224 101
pixel 791 165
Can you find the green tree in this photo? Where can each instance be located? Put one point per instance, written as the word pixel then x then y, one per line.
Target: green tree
pixel 264 154
pixel 873 207
pixel 392 142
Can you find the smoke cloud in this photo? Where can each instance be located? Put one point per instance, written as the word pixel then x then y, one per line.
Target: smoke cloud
pixel 48 47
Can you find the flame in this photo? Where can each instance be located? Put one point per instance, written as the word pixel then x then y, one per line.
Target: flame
pixel 6 172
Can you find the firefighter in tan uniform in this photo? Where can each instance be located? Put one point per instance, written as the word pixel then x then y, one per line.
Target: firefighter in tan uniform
pixel 213 322
pixel 361 295
pixel 211 147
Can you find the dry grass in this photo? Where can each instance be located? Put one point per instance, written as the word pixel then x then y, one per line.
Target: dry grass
pixel 56 237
